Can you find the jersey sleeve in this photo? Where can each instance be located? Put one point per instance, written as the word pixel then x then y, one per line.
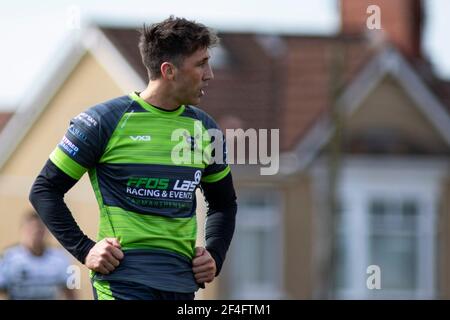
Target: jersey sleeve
pixel 81 146
pixel 218 167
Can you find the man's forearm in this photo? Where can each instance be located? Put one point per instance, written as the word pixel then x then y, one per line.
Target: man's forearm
pixel 47 197
pixel 221 218
pixel 219 232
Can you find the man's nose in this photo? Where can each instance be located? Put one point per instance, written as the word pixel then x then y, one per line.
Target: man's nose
pixel 209 75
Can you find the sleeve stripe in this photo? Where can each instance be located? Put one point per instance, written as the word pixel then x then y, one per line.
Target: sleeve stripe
pixel 216 176
pixel 67 164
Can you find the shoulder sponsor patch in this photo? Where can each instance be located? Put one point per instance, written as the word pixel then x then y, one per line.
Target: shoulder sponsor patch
pixel 87 119
pixel 69 146
pixel 77 133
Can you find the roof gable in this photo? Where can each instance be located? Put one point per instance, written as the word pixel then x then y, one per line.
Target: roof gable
pixel 388 62
pixel 388 122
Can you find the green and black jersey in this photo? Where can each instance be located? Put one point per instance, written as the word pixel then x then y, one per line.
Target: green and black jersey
pixel 146 200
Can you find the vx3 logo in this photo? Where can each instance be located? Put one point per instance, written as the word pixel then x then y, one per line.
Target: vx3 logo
pixel 140 138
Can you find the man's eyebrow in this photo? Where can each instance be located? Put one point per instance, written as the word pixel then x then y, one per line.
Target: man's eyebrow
pixel 205 59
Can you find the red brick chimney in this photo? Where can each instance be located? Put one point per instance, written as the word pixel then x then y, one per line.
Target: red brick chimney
pixel 401 22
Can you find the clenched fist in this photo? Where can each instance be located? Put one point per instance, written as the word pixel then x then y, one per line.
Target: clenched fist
pixel 105 256
pixel 204 266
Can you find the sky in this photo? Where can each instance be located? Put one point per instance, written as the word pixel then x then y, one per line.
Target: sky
pixel 33 31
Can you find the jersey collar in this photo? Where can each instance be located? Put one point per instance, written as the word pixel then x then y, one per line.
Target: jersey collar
pixel 147 106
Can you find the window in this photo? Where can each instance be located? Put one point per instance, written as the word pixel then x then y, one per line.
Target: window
pixel 387 219
pixel 255 256
pixel 393 239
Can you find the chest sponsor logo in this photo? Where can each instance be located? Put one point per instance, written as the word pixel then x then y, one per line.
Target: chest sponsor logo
pixel 140 138
pixel 188 185
pixel 192 141
pixel 140 190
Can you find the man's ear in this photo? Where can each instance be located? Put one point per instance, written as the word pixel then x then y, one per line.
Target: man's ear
pixel 167 70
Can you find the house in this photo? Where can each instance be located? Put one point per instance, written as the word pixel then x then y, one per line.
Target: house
pixel 363 186
pixel 4 118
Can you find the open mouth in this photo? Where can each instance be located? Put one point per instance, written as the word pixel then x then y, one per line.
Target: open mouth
pixel 202 90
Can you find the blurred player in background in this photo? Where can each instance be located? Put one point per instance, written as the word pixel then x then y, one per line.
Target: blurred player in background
pixel 32 270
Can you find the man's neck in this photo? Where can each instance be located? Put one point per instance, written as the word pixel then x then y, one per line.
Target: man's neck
pixel 157 95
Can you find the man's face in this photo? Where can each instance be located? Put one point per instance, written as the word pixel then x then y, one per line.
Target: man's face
pixel 33 232
pixel 192 77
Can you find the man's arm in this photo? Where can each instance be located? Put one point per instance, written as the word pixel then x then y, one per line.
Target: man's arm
pixel 47 197
pixel 221 218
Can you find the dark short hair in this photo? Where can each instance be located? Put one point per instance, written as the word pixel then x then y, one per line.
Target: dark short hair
pixel 172 40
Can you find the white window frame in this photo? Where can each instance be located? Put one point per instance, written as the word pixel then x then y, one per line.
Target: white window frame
pixel 364 178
